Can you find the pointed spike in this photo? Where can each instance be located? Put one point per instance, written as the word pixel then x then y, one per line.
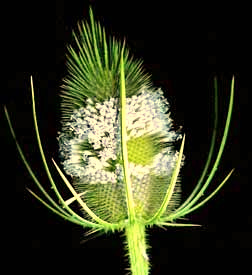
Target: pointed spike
pixel 127 180
pixel 66 217
pixel 177 224
pixel 171 187
pixel 210 153
pixel 188 208
pixel 81 202
pixel 27 165
pixel 211 195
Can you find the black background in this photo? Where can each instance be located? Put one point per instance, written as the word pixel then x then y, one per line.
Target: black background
pixel 183 46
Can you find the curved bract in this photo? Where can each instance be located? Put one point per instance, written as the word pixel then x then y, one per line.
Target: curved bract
pixel 117 144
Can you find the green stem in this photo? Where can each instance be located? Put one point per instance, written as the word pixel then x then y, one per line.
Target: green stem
pixel 137 247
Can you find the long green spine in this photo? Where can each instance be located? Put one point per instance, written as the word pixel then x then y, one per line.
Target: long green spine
pixel 129 199
pixel 102 74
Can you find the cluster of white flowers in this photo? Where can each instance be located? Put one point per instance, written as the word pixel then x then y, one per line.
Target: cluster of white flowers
pixel 91 145
pixel 147 113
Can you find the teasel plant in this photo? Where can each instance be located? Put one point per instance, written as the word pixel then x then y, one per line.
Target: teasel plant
pixel 117 147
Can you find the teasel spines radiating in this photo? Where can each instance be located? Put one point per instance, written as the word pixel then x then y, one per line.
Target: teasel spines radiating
pixel 94 68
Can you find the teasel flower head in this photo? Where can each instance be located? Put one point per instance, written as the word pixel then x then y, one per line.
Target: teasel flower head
pixel 117 145
pixel 91 147
pixel 91 142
